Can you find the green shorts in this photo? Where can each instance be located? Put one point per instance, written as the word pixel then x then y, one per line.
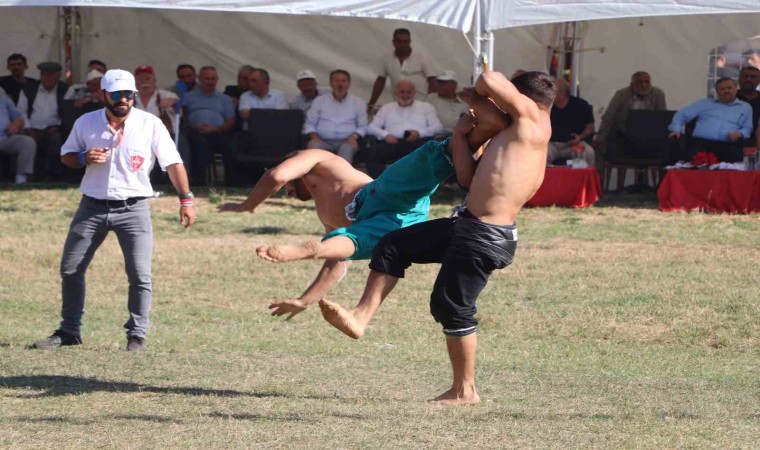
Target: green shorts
pixel 398 198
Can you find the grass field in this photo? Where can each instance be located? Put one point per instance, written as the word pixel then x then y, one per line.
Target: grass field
pixel 617 326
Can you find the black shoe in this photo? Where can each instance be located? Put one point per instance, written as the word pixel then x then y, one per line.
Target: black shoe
pixel 136 344
pixel 58 339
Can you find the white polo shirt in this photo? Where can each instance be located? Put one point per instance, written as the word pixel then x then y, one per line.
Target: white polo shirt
pixel 417 67
pixel 126 173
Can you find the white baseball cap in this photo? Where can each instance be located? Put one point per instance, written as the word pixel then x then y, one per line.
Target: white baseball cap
pixel 118 80
pixel 305 75
pixel 447 75
pixel 93 74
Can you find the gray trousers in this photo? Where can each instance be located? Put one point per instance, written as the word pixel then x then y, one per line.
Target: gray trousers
pixel 89 228
pixel 24 148
pixel 338 146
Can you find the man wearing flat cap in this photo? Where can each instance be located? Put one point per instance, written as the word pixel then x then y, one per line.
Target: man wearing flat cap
pixel 41 102
pixel 307 84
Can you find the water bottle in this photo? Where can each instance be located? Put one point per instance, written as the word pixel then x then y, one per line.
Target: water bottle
pixel 578 151
pixel 750 158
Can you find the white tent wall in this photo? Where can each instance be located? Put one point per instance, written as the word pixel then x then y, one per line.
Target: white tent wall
pixel 283 44
pixel 674 50
pixel 33 32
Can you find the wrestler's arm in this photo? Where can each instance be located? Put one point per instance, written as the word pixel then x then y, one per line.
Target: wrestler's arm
pixel 274 179
pixel 461 152
pixel 498 88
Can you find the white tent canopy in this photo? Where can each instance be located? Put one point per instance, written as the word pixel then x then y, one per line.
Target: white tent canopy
pixel 672 47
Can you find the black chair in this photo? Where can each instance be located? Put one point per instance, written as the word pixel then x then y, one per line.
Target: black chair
pixel 644 147
pixel 272 134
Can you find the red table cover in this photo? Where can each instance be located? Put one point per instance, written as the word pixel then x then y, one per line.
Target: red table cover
pixel 730 191
pixel 564 186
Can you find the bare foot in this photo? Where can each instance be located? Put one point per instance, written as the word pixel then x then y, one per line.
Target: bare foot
pixel 285 253
pixel 454 397
pixel 341 319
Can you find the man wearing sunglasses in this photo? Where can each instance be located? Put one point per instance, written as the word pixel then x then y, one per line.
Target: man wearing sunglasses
pixel 118 147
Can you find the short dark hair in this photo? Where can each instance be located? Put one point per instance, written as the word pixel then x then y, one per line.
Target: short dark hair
pixel 752 51
pixel 16 57
pixel 745 68
pixel 97 61
pixel 640 73
pixel 537 86
pixel 263 72
pixel 724 79
pixel 205 68
pixel 340 71
pixel 398 31
pixel 185 66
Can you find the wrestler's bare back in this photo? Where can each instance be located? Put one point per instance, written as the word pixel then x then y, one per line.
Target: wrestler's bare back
pixel 333 183
pixel 510 170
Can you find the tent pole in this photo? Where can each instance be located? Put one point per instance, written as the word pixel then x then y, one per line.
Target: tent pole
pixel 476 39
pixel 489 48
pixel 576 62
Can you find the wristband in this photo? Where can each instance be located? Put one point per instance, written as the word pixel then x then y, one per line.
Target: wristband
pixel 81 158
pixel 186 202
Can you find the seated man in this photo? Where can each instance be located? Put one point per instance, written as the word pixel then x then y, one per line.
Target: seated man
pixel 722 123
pixel 307 84
pixel 14 83
pixel 400 197
pixel 186 80
pixel 402 126
pixel 234 91
pixel 13 143
pixel 78 91
pixel 210 117
pixel 260 96
pixel 448 107
pixel 89 94
pixel 156 101
pixel 639 94
pixel 482 239
pixel 336 122
pixel 42 104
pixel 572 124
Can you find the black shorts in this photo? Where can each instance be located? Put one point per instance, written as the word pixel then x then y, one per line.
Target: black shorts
pixel 468 249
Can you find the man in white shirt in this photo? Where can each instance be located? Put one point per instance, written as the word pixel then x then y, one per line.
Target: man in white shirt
pixel 402 126
pixel 41 102
pixel 156 101
pixel 336 122
pixel 402 63
pixel 78 91
pixel 261 96
pixel 118 147
pixel 447 105
pixel 307 84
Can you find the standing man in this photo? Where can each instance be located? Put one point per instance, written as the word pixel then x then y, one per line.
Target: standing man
pixel 14 83
pixel 118 147
pixel 12 142
pixel 448 107
pixel 260 96
pixel 210 117
pixel 403 63
pixel 481 239
pixel 307 84
pixel 749 79
pixel 336 122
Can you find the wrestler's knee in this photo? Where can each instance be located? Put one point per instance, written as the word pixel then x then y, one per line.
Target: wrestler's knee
pixel 387 257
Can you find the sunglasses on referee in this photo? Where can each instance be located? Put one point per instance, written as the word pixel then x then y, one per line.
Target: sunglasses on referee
pixel 118 95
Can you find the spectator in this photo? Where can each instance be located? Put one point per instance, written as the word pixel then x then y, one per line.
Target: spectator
pixel 260 96
pixel 14 83
pixel 79 90
pixel 403 63
pixel 234 91
pixel 722 123
pixel 749 79
pixel 640 94
pixel 42 102
pixel 210 116
pixel 307 84
pixel 336 122
pixel 572 124
pixel 447 106
pixel 90 94
pixel 402 125
pixel 186 76
pixel 156 101
pixel 752 57
pixel 13 143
